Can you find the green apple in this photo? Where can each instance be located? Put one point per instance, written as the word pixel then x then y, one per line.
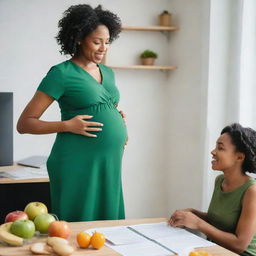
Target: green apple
pixel 23 228
pixel 35 208
pixel 43 221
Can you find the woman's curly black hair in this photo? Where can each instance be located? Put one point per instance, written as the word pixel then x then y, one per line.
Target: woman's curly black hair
pixel 244 140
pixel 80 20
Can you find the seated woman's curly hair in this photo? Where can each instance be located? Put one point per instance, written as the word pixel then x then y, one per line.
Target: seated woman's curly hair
pixel 80 20
pixel 244 140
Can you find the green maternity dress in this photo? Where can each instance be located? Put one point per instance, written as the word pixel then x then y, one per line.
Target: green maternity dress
pixel 85 172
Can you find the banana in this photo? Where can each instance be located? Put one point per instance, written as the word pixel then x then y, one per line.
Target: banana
pixel 7 237
pixel 6 226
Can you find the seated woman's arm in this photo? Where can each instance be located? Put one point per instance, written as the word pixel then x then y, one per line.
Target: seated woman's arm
pixel 202 215
pixel 245 230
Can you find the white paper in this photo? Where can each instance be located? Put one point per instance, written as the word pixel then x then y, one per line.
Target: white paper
pixel 146 248
pixel 26 173
pixel 119 235
pixel 181 242
pixel 157 239
pixel 158 230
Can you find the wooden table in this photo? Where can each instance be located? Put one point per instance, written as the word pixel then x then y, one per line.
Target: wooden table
pixel 15 194
pixel 105 251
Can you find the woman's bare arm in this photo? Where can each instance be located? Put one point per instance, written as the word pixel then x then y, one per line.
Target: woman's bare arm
pixel 29 121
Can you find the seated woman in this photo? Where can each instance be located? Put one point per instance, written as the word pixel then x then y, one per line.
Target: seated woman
pixel 231 217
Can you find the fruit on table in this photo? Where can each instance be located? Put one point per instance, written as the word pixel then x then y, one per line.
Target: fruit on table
pixel 199 253
pixel 57 245
pixel 83 239
pixel 63 249
pixel 23 228
pixel 60 246
pixel 41 248
pixel 59 228
pixel 16 215
pixel 42 222
pixel 52 240
pixel 7 237
pixel 35 208
pixel 97 240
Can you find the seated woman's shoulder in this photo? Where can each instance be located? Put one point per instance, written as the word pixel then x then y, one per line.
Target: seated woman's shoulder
pixel 252 187
pixel 219 177
pixel 250 192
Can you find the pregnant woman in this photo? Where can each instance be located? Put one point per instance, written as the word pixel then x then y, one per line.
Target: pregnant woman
pixel 85 162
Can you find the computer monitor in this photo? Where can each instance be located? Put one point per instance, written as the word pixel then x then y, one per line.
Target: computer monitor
pixel 6 128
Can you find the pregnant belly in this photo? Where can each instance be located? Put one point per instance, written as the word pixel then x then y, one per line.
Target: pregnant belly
pixel 112 137
pixel 113 130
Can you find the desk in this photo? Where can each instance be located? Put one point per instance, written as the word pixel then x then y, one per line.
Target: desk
pixel 15 194
pixel 105 251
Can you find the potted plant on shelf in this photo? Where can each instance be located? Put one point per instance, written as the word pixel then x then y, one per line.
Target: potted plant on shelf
pixel 148 57
pixel 165 18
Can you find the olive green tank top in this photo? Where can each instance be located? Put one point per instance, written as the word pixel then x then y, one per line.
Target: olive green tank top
pixel 225 209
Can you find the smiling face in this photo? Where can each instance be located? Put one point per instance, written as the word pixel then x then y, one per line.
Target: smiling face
pixel 224 155
pixel 95 45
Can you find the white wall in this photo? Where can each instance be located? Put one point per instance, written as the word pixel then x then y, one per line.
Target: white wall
pixel 187 104
pixel 224 81
pixel 218 78
pixel 203 95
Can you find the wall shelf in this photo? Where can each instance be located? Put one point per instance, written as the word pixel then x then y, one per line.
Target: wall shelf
pixel 163 29
pixel 144 67
pixel 150 28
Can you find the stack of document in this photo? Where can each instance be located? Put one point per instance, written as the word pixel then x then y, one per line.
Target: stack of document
pixel 32 167
pixel 26 173
pixel 33 161
pixel 158 239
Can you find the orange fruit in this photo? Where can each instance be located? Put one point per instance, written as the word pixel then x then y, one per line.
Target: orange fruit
pixel 202 253
pixel 97 240
pixel 193 253
pixel 83 239
pixel 199 253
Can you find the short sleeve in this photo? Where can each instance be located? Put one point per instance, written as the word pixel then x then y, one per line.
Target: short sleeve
pixel 52 83
pixel 218 180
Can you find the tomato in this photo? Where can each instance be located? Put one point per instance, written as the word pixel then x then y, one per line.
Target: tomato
pixel 83 239
pixel 97 240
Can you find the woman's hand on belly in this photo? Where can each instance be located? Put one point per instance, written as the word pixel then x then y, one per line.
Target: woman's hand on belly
pixel 79 125
pixel 123 115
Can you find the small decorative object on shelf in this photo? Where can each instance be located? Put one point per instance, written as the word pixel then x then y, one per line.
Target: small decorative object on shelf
pixel 148 57
pixel 165 18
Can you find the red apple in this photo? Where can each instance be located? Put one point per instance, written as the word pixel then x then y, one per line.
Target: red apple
pixel 59 228
pixel 35 208
pixel 16 215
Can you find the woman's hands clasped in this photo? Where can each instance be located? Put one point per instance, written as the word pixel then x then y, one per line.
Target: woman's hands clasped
pixel 79 125
pixel 184 218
